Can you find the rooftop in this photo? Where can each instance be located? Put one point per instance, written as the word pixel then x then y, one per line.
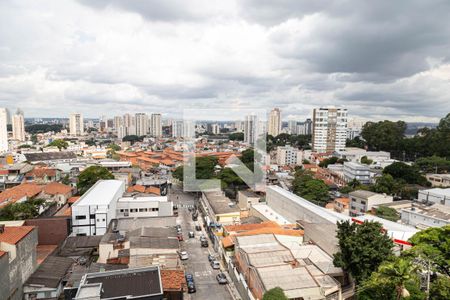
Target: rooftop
pixel 44 156
pixel 101 193
pixel 13 194
pixel 269 213
pixel 220 203
pixel 50 272
pixel 362 194
pixel 54 188
pixel 437 211
pixel 173 280
pixel 438 191
pixel 14 234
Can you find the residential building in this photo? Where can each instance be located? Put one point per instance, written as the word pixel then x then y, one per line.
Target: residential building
pixel 142 125
pixel 18 259
pixel 354 128
pixel 247 198
pixel 155 125
pixel 342 205
pixel 3 130
pixel 219 209
pixel 355 155
pixel 424 216
pixel 439 180
pixel 287 155
pixel 139 207
pixel 177 129
pixel 129 125
pixel 93 211
pixel 76 124
pixel 305 128
pixel 292 127
pixel 274 126
pixel 250 129
pixel 18 126
pixel 329 129
pixel 362 201
pixel 117 122
pixel 215 128
pixel 360 172
pixel 435 195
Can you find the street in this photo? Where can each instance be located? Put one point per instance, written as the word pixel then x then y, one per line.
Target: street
pixel 198 265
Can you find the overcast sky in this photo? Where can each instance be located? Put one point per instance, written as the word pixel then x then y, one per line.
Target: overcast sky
pixel 380 59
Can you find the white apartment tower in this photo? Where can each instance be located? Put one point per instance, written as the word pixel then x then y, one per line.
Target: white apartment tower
pixel 3 130
pixel 76 124
pixel 215 128
pixel 155 125
pixel 141 120
pixel 250 129
pixel 274 126
pixel 18 126
pixel 329 129
pixel 177 129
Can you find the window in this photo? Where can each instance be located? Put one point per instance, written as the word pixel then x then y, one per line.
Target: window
pixel 80 217
pixel 103 220
pixel 363 202
pixel 155 209
pixel 81 234
pixel 92 216
pixel 141 210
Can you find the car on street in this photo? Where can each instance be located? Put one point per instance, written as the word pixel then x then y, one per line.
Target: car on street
pixel 211 257
pixel 198 228
pixel 215 265
pixel 189 277
pixel 204 243
pixel 191 287
pixel 180 236
pixel 184 255
pixel 191 234
pixel 222 278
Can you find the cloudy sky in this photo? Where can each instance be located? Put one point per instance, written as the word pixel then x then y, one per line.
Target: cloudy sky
pixel 383 60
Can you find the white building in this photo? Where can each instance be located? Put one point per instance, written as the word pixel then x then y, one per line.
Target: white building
pixel 329 129
pixel 292 127
pixel 94 210
pixel 423 216
pixel 18 126
pixel 76 124
pixel 355 155
pixel 360 172
pixel 215 128
pixel 354 128
pixel 436 195
pixel 3 130
pixel 141 120
pixel 177 129
pixel 155 125
pixel 362 201
pixel 140 207
pixel 117 122
pixel 288 155
pixel 274 126
pixel 250 129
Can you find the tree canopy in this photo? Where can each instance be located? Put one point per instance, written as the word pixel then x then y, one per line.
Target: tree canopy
pixel 283 139
pixel 275 294
pixel 132 139
pixel 236 136
pixel 22 210
pixel 409 174
pixel 387 213
pixel 60 144
pixel 90 176
pixel 43 128
pixel 314 190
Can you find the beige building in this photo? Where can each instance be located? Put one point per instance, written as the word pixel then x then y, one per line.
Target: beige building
pixel 76 124
pixel 274 126
pixel 3 130
pixel 18 126
pixel 155 125
pixel 329 129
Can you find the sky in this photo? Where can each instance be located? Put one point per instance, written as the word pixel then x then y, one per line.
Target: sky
pixel 379 59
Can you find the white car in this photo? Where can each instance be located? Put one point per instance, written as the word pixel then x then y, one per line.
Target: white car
pixel 184 255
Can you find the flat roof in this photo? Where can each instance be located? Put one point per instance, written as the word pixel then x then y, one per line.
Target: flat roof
pixel 101 193
pixel 143 199
pixel 438 191
pixel 270 214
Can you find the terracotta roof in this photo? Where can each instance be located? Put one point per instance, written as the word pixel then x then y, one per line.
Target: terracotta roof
pixel 73 199
pixel 329 206
pixel 55 188
pixel 153 190
pixel 2 253
pixel 19 191
pixel 13 234
pixel 4 172
pixel 173 280
pixel 41 172
pixel 227 241
pixel 148 159
pixel 247 227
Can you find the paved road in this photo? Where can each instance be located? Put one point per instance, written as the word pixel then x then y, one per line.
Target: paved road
pixel 197 264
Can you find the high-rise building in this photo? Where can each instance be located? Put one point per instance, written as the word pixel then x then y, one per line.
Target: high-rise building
pixel 329 129
pixel 129 124
pixel 292 127
pixel 76 124
pixel 251 129
pixel 3 130
pixel 118 121
pixel 189 129
pixel 215 128
pixel 155 125
pixel 274 126
pixel 18 126
pixel 177 129
pixel 141 120
pixel 354 128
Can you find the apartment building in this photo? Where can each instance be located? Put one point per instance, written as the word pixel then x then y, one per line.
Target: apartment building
pixel 274 126
pixel 155 125
pixel 18 126
pixel 76 124
pixel 250 129
pixel 360 172
pixel 435 195
pixel 93 211
pixel 287 155
pixel 3 130
pixel 329 129
pixel 439 180
pixel 142 126
pixel 362 201
pixel 140 207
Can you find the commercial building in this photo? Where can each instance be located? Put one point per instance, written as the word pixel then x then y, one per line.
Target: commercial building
pixel 76 124
pixel 18 126
pixel 287 155
pixel 93 211
pixel 362 201
pixel 3 130
pixel 138 207
pixel 250 129
pixel 360 172
pixel 435 195
pixel 274 126
pixel 141 120
pixel 355 154
pixel 219 208
pixel 329 129
pixel 424 216
pixel 155 125
pixel 439 180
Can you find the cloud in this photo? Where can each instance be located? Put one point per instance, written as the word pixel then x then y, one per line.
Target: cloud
pixel 379 59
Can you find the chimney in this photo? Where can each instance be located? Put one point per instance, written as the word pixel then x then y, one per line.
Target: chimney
pixel 2 228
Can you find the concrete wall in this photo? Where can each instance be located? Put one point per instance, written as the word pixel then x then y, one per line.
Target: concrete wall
pixel 4 276
pixel 51 231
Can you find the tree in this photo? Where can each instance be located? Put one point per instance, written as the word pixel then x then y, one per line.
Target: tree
pixel 328 161
pixel 384 135
pixel 60 144
pixel 43 128
pixel 131 138
pixel 440 288
pixel 362 248
pixel 237 136
pixel 366 161
pixel 34 139
pixel 90 176
pixel 114 147
pixel 387 213
pixel 386 184
pixel 408 174
pixel 275 294
pixel 314 190
pixel 433 164
pixel 398 273
pixel 356 142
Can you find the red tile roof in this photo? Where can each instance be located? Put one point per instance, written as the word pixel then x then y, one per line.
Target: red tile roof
pixel 14 234
pixel 2 253
pixel 18 192
pixel 173 280
pixel 73 199
pixel 56 188
pixel 247 227
pixel 41 172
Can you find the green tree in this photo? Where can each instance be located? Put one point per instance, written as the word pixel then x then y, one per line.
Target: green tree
pixel 387 213
pixel 114 147
pixel 356 142
pixel 90 176
pixel 314 190
pixel 440 288
pixel 237 136
pixel 275 294
pixel 433 164
pixel 384 135
pixel 362 248
pixel 60 144
pixel 398 273
pixel 328 161
pixel 66 180
pixel 366 161
pixel 131 138
pixel 386 184
pixel 409 174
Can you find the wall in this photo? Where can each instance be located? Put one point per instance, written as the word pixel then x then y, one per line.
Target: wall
pixel 51 231
pixel 4 276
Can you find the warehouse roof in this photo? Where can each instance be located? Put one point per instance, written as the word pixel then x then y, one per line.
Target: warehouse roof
pixel 101 193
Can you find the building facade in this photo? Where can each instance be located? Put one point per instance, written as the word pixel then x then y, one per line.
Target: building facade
pixel 360 172
pixel 18 126
pixel 250 129
pixel 288 155
pixel 142 126
pixel 3 130
pixel 362 201
pixel 274 126
pixel 329 129
pixel 155 125
pixel 76 124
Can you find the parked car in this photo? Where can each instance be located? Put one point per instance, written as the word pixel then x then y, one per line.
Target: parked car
pixel 204 243
pixel 194 217
pixel 189 277
pixel 180 236
pixel 191 287
pixel 222 278
pixel 215 265
pixel 198 228
pixel 211 257
pixel 191 234
pixel 184 255
pixel 203 238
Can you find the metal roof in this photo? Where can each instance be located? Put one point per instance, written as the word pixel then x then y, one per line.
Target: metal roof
pixel 101 193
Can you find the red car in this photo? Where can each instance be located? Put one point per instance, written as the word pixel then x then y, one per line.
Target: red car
pixel 180 237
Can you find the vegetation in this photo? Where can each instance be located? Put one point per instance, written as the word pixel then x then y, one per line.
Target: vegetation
pixel 362 248
pixel 237 136
pixel 23 210
pixel 433 164
pixel 59 143
pixel 406 173
pixel 366 161
pixel 90 176
pixel 132 139
pixel 283 139
pixel 331 161
pixel 356 142
pixel 314 190
pixel 112 149
pixel 275 294
pixel 204 168
pixel 24 146
pixel 43 128
pixel 387 213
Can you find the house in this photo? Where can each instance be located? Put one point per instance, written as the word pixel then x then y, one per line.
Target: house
pixel 424 216
pixel 439 180
pixel 58 192
pixel 342 205
pixel 356 171
pixel 362 201
pixel 435 195
pixel 17 259
pixel 43 175
pixel 19 193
